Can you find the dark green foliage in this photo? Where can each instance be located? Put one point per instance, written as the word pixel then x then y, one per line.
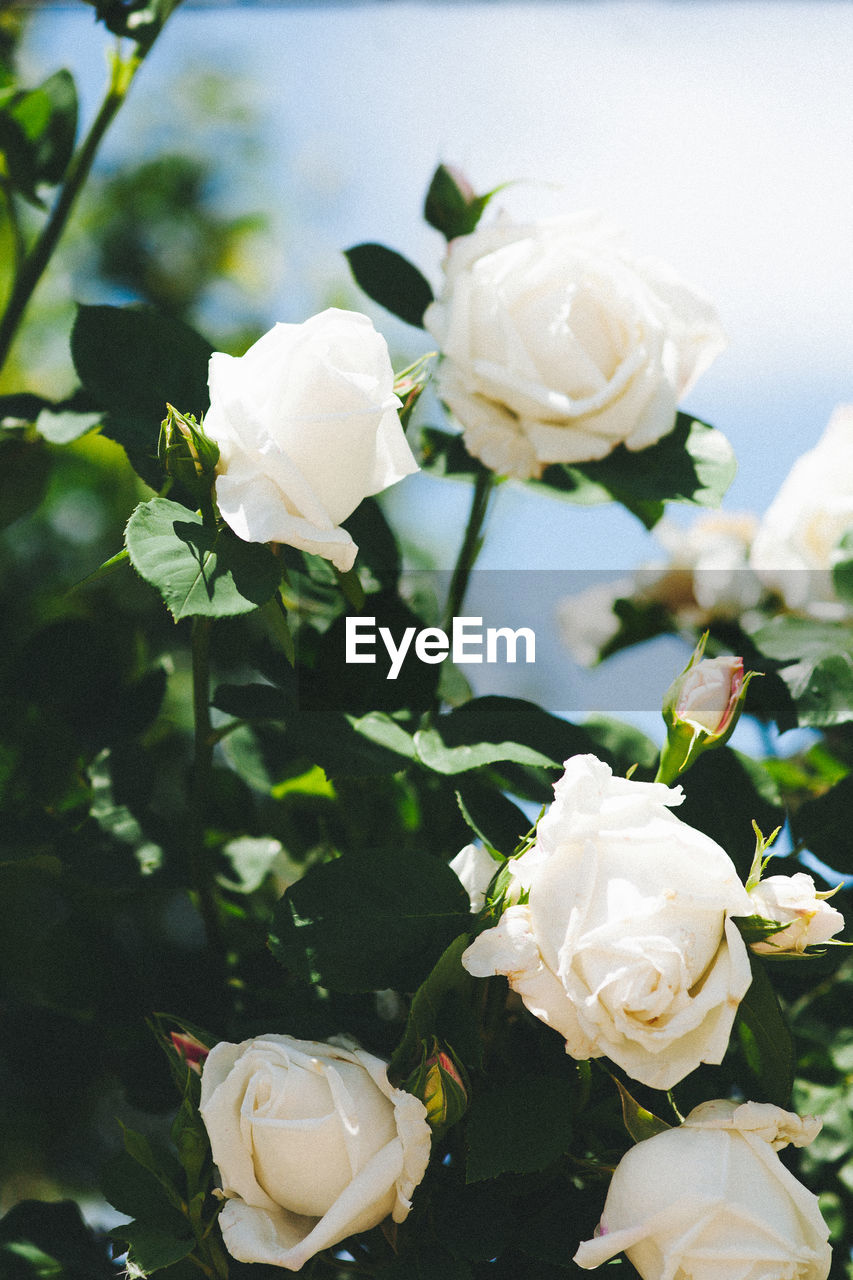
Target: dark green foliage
pixel 391 280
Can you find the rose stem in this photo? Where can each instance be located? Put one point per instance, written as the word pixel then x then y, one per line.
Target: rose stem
pixel 33 264
pixel 471 544
pixel 204 739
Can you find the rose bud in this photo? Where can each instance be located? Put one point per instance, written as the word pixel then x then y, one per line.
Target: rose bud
pixel 409 384
pixel 700 709
pixel 190 1049
pixel 711 1198
pixel 439 1083
pixel 793 902
pixel 186 453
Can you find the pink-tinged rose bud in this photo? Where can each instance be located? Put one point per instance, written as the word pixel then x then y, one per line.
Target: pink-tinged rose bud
pixel 709 694
pixel 794 902
pixel 701 708
pixel 190 1049
pixel 439 1083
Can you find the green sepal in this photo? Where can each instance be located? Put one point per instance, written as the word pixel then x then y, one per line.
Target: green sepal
pixel 638 1120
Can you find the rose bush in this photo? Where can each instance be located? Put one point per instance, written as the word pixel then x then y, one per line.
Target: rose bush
pixel 792 551
pixel 712 1198
pixel 312 1144
pixel 794 902
pixel 626 945
pixel 558 345
pixel 307 426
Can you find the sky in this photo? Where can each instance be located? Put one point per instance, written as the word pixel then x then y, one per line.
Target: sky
pixel 718 135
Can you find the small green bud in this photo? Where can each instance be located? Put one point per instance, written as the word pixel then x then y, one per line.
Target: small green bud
pixel 186 453
pixel 409 384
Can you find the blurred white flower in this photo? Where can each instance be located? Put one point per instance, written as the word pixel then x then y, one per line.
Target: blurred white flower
pixel 793 548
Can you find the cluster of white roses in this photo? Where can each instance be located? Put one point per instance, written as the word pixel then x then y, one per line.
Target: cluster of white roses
pixel 556 346
pixel 626 944
pixel 727 564
pixel 621 934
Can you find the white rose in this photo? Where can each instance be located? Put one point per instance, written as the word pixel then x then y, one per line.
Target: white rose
pixel 708 575
pixel 794 902
pixel 307 426
pixel 626 945
pixel 312 1144
pixel 558 345
pixel 792 552
pixel 476 868
pixel 712 1198
pixel 587 622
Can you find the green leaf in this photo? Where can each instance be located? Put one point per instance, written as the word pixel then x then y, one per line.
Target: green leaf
pixel 391 280
pixel 371 746
pixel 491 729
pixel 692 463
pixel 152 1247
pixel 137 1191
pixel 429 1261
pixel 765 1040
pixel 622 745
pixel 442 1007
pixel 824 826
pixel 191 1143
pixel 842 568
pixel 724 793
pixel 58 1230
pixel 470 1227
pixel 62 428
pixel 37 132
pixel 518 1127
pixel 444 454
pixel 377 545
pixel 434 752
pixel 132 362
pixel 757 928
pixel 498 822
pixel 820 677
pixel 363 923
pixel 382 731
pixel 820 680
pixel 197 570
pixel 638 620
pixel 25 467
pixel 252 701
pixel 451 205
